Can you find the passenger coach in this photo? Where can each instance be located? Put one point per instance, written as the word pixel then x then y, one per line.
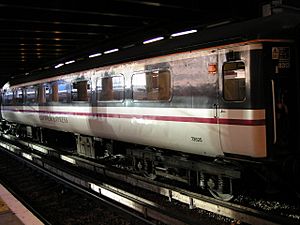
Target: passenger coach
pixel 207 105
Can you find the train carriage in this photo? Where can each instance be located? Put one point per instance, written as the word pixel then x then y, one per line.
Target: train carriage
pixel 209 104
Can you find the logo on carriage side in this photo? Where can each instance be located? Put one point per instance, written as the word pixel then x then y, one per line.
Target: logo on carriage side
pixel 196 139
pixel 53 119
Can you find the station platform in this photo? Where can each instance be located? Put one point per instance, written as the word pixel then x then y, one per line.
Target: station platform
pixel 13 212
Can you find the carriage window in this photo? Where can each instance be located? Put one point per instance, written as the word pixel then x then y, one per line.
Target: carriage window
pixel 154 85
pixel 110 88
pixel 234 81
pixel 45 93
pixel 81 91
pixel 31 94
pixel 63 91
pixel 53 92
pixel 41 93
pixel 8 96
pixel 18 96
pixel 59 91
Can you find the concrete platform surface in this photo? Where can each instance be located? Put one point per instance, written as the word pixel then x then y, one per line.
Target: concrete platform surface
pixel 13 212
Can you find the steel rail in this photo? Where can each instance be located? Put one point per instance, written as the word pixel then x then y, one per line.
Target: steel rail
pixel 104 193
pixel 194 200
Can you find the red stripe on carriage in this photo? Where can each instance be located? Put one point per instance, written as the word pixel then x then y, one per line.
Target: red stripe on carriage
pixel 245 122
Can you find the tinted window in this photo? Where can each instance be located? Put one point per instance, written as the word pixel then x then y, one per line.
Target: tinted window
pixel 81 91
pixel 18 96
pixel 41 93
pixel 63 91
pixel 59 91
pixel 234 81
pixel 8 97
pixel 154 85
pixel 110 88
pixel 31 94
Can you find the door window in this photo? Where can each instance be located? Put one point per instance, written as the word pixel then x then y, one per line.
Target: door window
pixel 234 81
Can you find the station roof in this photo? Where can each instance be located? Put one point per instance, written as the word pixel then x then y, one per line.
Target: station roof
pixel 38 35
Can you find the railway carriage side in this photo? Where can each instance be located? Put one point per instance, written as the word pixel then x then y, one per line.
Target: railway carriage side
pixel 199 101
pixel 189 116
pixel 195 103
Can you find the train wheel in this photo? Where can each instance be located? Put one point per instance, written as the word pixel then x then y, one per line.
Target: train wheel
pixel 217 190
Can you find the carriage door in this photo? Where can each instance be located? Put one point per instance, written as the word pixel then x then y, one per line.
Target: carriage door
pixel 232 98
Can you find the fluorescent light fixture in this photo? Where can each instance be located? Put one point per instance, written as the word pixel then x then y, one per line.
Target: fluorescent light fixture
pixel 95 55
pixel 129 46
pixel 69 62
pixel 58 65
pixel 218 24
pixel 153 40
pixel 111 51
pixel 183 33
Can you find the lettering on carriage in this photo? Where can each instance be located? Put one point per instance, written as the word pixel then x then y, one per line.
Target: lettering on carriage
pixel 54 119
pixel 196 139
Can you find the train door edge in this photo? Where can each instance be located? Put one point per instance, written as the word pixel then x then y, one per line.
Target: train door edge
pixel 284 98
pixel 236 117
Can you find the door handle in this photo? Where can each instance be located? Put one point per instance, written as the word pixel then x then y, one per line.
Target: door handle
pixel 274 112
pixel 216 110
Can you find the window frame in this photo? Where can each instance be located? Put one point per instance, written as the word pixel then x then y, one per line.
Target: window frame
pixel 58 95
pixel 245 80
pixel 5 99
pixel 112 100
pixel 151 71
pixel 25 92
pixel 89 90
pixel 15 90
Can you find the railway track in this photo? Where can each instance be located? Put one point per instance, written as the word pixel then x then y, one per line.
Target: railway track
pixel 54 201
pixel 148 212
pixel 40 156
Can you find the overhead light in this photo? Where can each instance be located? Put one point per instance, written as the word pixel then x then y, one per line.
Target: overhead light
pixel 58 65
pixel 129 46
pixel 111 51
pixel 218 24
pixel 95 55
pixel 183 33
pixel 69 62
pixel 153 40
